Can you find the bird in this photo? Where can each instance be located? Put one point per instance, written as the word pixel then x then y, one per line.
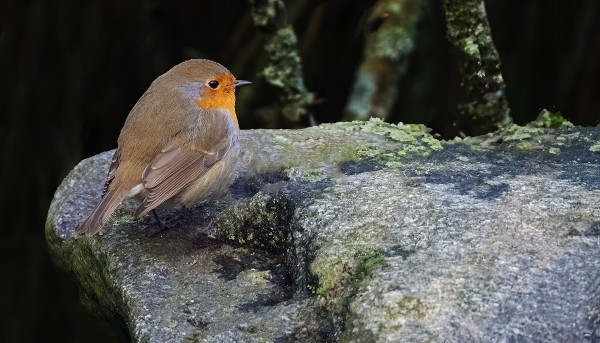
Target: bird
pixel 178 145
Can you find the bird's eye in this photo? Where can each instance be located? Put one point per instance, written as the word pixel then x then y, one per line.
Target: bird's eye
pixel 213 84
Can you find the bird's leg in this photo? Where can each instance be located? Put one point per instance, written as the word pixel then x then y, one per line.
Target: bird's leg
pixel 158 221
pixel 167 223
pixel 161 226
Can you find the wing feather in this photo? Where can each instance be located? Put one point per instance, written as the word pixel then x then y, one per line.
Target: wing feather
pixel 114 163
pixel 177 166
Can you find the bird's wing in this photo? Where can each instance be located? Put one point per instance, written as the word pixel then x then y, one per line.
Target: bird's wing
pixel 114 163
pixel 178 164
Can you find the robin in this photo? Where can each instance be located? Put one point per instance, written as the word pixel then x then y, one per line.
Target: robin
pixel 179 144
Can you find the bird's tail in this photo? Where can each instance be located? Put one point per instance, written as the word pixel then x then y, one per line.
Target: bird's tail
pixel 100 215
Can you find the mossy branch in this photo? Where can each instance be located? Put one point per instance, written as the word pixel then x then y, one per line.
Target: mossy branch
pixel 389 40
pixel 486 106
pixel 284 70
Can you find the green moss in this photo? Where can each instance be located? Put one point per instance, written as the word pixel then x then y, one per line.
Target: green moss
pixel 514 132
pixel 368 150
pixel 417 134
pixel 537 135
pixel 265 226
pixel 329 277
pixel 595 147
pixel 551 120
pixel 338 280
pixel 415 139
pixel 412 306
pixel 391 160
pixel 368 260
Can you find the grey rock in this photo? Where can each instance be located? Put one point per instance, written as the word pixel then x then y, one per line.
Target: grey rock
pixel 358 232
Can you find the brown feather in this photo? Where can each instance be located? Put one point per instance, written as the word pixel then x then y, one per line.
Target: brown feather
pixel 100 215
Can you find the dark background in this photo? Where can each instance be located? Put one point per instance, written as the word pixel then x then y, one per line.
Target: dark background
pixel 71 71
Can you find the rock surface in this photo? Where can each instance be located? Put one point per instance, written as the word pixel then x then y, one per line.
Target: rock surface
pixel 358 232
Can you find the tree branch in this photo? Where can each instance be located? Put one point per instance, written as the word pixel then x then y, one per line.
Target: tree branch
pixel 390 32
pixel 469 32
pixel 285 68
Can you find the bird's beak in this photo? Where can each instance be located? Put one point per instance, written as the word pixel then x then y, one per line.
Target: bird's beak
pixel 240 83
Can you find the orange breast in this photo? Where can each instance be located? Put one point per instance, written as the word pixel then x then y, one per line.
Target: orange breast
pixel 222 97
